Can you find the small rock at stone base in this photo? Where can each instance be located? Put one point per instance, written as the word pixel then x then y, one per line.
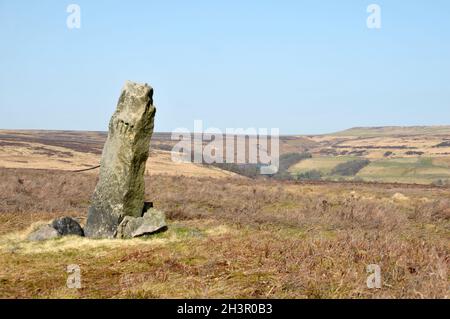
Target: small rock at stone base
pixel 43 233
pixel 153 221
pixel 67 226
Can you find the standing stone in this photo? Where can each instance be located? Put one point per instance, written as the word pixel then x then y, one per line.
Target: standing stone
pixel 120 189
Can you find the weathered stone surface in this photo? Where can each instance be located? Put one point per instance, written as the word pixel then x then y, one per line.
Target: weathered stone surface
pixel 43 233
pixel 120 189
pixel 67 226
pixel 153 221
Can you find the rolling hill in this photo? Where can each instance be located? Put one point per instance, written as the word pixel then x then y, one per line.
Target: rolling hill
pixel 416 154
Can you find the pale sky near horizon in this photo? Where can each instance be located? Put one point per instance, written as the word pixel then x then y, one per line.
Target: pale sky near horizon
pixel 304 67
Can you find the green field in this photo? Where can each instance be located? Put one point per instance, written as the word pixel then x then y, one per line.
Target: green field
pixel 403 170
pixel 322 164
pixel 406 170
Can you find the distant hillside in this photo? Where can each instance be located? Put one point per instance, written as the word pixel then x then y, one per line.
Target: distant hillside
pixel 394 131
pixel 415 154
pixel 410 154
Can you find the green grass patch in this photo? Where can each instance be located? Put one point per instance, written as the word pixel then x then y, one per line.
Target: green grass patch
pixel 406 170
pixel 324 165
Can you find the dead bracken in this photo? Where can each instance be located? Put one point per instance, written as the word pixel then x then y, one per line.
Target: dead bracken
pixel 271 239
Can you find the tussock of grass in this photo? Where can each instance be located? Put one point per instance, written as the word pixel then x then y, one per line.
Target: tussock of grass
pixel 17 242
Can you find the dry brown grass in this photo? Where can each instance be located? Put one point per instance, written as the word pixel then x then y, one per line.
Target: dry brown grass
pixel 234 238
pixel 69 151
pixel 48 157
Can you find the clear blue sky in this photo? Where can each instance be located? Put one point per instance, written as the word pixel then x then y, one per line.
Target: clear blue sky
pixel 301 66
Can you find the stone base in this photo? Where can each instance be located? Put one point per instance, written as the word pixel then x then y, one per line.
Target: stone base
pixel 107 225
pixel 101 223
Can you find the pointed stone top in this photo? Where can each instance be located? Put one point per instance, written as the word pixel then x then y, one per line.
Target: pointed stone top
pixel 138 89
